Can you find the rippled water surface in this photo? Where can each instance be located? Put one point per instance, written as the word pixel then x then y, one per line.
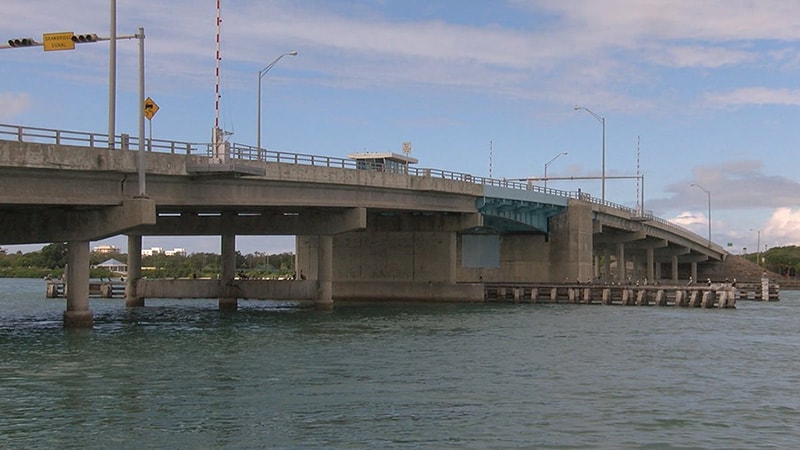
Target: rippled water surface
pixel 180 374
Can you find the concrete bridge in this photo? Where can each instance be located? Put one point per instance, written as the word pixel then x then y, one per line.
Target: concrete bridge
pixel 363 231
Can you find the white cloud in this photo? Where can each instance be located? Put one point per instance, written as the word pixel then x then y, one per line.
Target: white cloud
pixel 755 96
pixel 782 228
pixel 13 104
pixel 699 56
pixel 689 219
pixel 714 20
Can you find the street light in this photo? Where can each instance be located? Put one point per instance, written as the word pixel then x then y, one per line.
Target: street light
pixel 261 74
pixel 708 194
pixel 602 121
pixel 758 247
pixel 547 164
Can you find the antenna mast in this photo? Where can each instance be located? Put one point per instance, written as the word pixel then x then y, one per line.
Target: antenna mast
pixel 490 159
pixel 218 144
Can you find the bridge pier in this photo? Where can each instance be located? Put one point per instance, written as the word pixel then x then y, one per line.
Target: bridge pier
pixel 675 269
pixel 650 261
pixel 324 300
pixel 621 265
pixel 132 297
pixel 78 314
pixel 228 301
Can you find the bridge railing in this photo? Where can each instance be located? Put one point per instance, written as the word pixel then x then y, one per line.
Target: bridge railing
pixel 96 140
pixel 250 153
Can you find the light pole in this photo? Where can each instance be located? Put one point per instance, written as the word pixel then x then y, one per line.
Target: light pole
pixel 708 194
pixel 602 121
pixel 547 164
pixel 758 247
pixel 261 74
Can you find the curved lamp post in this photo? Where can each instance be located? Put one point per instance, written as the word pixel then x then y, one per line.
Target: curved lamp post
pixel 708 194
pixel 602 121
pixel 261 74
pixel 547 164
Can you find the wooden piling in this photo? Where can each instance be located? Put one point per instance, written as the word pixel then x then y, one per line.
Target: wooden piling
pixel 715 296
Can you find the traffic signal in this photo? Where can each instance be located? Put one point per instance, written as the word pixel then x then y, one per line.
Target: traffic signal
pixel 21 42
pixel 82 38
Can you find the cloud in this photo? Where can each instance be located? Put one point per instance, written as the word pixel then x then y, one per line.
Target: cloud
pixel 689 219
pixel 783 227
pixel 13 104
pixel 712 20
pixel 734 185
pixel 699 56
pixel 754 96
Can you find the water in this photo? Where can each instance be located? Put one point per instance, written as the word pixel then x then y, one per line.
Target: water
pixel 180 374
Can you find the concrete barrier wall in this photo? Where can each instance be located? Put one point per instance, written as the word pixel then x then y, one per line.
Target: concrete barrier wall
pixel 523 258
pixel 401 291
pixel 385 256
pixel 254 289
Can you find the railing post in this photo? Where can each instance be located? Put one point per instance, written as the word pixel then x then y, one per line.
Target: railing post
pixel 19 134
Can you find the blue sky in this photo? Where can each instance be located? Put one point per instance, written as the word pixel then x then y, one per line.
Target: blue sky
pixel 706 92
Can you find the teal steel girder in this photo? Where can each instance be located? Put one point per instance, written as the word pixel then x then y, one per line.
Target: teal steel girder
pixel 517 216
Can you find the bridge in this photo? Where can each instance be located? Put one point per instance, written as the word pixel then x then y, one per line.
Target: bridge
pixel 365 230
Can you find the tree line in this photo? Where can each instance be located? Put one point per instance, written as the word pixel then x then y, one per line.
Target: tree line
pixel 51 261
pixel 782 260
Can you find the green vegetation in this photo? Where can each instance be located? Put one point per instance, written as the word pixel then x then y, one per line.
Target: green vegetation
pixel 51 260
pixel 781 260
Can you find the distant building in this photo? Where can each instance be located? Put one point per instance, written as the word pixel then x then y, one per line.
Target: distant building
pixel 160 251
pixel 105 249
pixel 383 162
pixel 152 251
pixel 176 252
pixel 113 265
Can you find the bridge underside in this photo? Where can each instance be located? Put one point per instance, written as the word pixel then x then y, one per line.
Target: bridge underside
pixel 510 216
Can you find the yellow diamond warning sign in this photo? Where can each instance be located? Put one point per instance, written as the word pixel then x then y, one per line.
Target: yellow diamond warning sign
pixel 150 108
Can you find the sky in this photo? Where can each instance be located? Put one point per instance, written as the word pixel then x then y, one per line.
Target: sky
pixel 692 92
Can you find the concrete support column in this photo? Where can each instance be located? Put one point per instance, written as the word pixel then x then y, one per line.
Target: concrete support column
pixel 324 299
pixel 675 269
pixel 228 300
pixel 637 267
pixel 694 271
pixel 596 267
pixel 78 314
pixel 650 256
pixel 132 298
pixel 606 264
pixel 621 262
pixel 453 278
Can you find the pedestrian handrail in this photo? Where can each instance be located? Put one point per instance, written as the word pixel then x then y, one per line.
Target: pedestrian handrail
pixel 245 152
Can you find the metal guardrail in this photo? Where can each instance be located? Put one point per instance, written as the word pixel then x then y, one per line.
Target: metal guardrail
pixel 244 152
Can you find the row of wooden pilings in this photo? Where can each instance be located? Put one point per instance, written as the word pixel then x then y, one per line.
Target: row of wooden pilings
pixel 715 296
